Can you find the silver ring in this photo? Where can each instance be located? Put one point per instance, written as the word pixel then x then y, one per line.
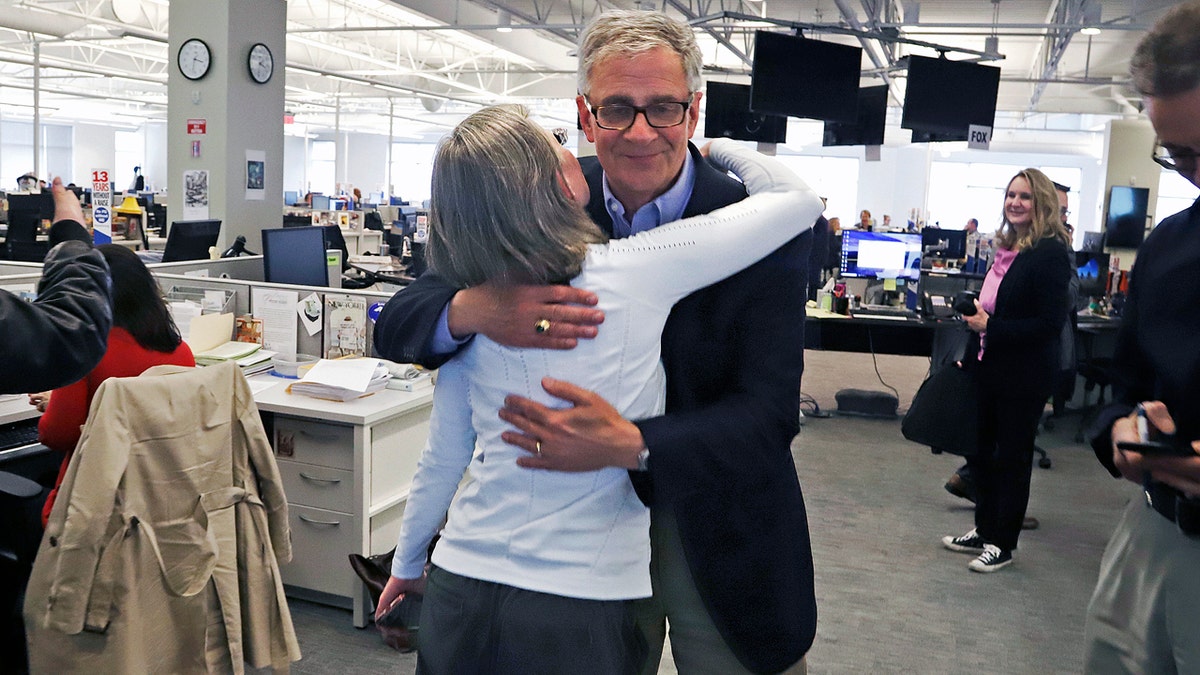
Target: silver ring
pixel 542 327
pixel 538 446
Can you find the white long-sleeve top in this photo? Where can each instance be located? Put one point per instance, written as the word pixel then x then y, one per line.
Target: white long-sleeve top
pixel 582 535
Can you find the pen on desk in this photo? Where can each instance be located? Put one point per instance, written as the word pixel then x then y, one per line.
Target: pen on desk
pixel 1143 426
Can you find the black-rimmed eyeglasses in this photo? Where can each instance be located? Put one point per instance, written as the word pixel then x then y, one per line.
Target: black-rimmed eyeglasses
pixel 1183 161
pixel 658 115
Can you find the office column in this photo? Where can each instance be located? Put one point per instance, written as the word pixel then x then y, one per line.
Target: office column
pixel 223 116
pixel 1128 145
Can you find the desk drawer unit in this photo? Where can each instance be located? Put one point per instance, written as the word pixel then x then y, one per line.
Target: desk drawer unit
pixel 319 443
pixel 320 541
pixel 318 486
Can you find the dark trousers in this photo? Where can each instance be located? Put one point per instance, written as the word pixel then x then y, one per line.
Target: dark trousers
pixel 473 626
pixel 1002 467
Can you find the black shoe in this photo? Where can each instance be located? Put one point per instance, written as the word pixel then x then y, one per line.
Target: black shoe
pixel 990 560
pixel 961 488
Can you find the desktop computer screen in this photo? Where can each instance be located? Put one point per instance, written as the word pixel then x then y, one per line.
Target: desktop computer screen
pixel 290 197
pixel 881 255
pixel 191 239
pixel 1092 269
pixel 945 244
pixel 295 255
pixel 320 202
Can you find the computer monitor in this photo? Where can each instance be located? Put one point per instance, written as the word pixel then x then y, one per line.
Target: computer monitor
pixel 290 197
pixel 1092 270
pixel 320 202
pixel 296 220
pixel 881 255
pixel 191 239
pixel 1125 216
pixel 335 240
pixel 945 97
pixel 295 255
pixel 868 128
pixel 793 75
pixel 727 115
pixel 945 244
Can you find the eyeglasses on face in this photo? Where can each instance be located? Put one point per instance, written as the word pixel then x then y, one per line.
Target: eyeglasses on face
pixel 1065 211
pixel 1174 159
pixel 658 115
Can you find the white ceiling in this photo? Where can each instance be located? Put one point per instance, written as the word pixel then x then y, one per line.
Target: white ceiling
pixel 425 63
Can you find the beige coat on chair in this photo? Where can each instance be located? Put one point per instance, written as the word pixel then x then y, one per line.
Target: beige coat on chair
pixel 162 552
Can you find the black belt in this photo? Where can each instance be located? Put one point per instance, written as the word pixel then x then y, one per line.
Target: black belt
pixel 1175 507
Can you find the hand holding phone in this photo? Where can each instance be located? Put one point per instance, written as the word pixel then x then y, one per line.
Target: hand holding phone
pixel 1157 448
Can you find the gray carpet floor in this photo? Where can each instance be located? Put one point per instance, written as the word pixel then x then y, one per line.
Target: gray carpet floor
pixel 890 598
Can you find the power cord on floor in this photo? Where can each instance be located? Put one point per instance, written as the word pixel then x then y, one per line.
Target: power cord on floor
pixel 875 362
pixel 813 408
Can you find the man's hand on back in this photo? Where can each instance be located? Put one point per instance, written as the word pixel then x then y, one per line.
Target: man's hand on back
pixel 512 315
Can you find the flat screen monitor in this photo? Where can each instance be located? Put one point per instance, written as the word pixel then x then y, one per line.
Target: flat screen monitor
pixel 945 97
pixel 945 244
pixel 727 115
pixel 1092 270
pixel 796 76
pixel 1125 216
pixel 191 239
pixel 290 197
pixel 320 202
pixel 41 204
pixel 881 255
pixel 868 128
pixel 295 255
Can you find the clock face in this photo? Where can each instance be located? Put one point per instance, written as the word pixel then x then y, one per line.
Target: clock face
pixel 194 59
pixel 261 63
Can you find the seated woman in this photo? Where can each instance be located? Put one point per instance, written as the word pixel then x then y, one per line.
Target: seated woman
pixel 143 335
pixel 534 568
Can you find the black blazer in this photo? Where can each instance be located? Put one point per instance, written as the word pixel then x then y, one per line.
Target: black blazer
pixel 720 458
pixel 1022 356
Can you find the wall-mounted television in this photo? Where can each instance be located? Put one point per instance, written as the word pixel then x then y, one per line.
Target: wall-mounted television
pixel 727 115
pixel 796 76
pixel 881 255
pixel 1125 216
pixel 868 128
pixel 945 97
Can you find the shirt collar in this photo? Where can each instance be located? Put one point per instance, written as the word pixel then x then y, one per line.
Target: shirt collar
pixel 667 207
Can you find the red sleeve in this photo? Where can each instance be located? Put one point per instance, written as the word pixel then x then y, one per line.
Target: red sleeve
pixel 65 414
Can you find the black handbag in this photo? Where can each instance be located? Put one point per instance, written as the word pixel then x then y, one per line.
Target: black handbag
pixel 944 414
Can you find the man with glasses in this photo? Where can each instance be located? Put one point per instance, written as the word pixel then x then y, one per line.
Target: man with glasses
pixel 1143 616
pixel 731 559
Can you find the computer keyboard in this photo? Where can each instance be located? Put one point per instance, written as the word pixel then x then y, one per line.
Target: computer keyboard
pixel 884 312
pixel 18 434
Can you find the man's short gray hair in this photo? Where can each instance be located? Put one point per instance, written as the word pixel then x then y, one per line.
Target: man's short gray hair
pixel 626 33
pixel 497 212
pixel 1167 60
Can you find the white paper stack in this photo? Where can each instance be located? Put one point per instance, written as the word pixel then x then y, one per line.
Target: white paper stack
pixel 342 379
pixel 230 351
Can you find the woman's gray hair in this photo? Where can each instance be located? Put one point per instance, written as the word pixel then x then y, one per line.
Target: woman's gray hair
pixel 497 210
pixel 626 33
pixel 1167 60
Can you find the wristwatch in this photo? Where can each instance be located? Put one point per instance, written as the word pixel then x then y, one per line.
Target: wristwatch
pixel 644 459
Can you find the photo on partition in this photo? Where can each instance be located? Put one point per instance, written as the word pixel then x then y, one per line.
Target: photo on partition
pixel 254 174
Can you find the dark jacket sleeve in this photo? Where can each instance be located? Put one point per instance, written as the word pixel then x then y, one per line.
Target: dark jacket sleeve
pixel 409 320
pixel 61 336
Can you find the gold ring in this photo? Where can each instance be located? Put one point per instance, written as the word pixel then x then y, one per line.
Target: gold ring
pixel 542 326
pixel 538 445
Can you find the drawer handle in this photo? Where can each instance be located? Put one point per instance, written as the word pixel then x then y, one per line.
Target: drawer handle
pixel 330 523
pixel 317 479
pixel 327 438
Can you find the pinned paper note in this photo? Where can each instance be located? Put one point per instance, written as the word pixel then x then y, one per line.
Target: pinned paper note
pixel 889 284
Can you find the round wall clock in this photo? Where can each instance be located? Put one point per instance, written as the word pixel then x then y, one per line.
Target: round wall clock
pixel 261 63
pixel 194 59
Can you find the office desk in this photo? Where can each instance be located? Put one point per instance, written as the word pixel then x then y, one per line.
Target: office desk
pixel 15 407
pixel 834 332
pixel 347 469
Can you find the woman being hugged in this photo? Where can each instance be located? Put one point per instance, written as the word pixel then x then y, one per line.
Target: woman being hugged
pixel 1015 352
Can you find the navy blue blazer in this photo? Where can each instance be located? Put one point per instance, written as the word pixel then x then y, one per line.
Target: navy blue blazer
pixel 720 458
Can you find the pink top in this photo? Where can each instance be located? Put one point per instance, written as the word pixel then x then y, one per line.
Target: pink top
pixel 1001 261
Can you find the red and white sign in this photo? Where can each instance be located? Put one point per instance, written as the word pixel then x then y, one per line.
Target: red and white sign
pixel 197 126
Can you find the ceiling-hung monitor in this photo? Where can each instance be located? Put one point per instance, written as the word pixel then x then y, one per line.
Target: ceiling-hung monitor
pixel 727 115
pixel 796 76
pixel 1125 216
pixel 191 239
pixel 295 255
pixel 868 128
pixel 944 97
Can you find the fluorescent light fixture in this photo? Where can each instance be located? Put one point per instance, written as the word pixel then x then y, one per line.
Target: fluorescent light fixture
pixel 503 21
pixel 1090 30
